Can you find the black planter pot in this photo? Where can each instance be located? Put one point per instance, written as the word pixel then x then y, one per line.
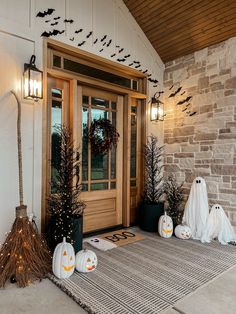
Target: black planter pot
pixel 77 233
pixel 149 216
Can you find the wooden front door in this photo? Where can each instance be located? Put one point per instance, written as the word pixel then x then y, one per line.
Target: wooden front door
pixel 101 174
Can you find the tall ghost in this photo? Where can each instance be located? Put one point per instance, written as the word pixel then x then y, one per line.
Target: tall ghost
pixel 196 209
pixel 218 226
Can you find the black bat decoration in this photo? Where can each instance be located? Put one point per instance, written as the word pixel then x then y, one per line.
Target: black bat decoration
pixel 113 55
pixel 145 71
pixel 68 21
pixel 149 75
pixel 45 13
pixel 79 31
pixel 72 39
pixel 171 87
pixel 104 44
pixel 109 42
pixel 193 113
pixel 175 93
pixel 101 50
pixel 137 66
pixel 131 64
pixel 55 32
pixel 89 34
pixel 47 21
pixel 155 85
pixel 95 41
pixel 117 46
pixel 181 102
pixel 103 38
pixel 53 24
pixel 153 80
pixel 183 93
pixel 122 49
pixel 121 60
pixel 137 62
pixel 82 43
pixel 127 56
pixel 186 107
pixel 57 18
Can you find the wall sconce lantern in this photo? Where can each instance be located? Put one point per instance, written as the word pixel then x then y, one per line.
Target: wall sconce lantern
pixel 157 108
pixel 33 80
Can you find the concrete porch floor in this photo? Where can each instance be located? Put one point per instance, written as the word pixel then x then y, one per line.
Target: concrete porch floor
pixel 216 297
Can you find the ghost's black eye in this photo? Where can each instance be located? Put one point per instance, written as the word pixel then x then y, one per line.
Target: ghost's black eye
pixel 199 181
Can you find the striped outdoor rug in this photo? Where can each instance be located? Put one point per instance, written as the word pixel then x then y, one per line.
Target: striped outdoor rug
pixel 147 276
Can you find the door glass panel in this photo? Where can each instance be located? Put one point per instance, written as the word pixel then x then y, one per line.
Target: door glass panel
pixel 56 121
pixel 99 186
pixel 133 146
pixel 99 166
pixel 85 100
pixel 100 102
pixel 113 185
pixel 84 144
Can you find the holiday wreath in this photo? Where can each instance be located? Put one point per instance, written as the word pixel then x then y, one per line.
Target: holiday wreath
pixel 102 136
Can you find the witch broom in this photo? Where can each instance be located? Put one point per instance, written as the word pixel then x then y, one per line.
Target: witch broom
pixel 24 255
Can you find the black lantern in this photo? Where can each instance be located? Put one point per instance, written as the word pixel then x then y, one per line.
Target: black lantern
pixel 33 80
pixel 157 108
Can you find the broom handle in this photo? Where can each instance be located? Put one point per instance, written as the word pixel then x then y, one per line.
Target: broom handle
pixel 19 147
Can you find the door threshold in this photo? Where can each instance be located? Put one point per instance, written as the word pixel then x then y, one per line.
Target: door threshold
pixel 101 231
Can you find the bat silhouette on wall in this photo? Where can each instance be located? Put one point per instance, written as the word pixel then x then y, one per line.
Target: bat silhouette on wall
pixel 193 113
pixel 55 32
pixel 137 66
pixel 81 44
pixel 171 87
pixel 103 38
pixel 113 55
pixel 109 42
pixel 186 107
pixel 181 102
pixel 95 41
pixel 122 49
pixel 53 24
pixel 149 75
pixel 89 34
pixel 104 44
pixel 101 50
pixel 72 39
pixel 175 93
pixel 136 62
pixel 121 60
pixel 47 21
pixel 155 85
pixel 131 64
pixel 145 71
pixel 79 31
pixel 117 46
pixel 45 13
pixel 183 93
pixel 153 80
pixel 57 18
pixel 127 56
pixel 68 21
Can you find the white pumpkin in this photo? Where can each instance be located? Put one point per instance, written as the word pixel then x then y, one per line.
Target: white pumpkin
pixel 63 260
pixel 86 261
pixel 183 232
pixel 165 226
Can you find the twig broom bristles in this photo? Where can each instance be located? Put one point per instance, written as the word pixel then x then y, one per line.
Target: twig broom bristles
pixel 24 254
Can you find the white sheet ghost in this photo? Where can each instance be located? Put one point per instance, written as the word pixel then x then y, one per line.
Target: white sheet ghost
pixel 196 209
pixel 218 226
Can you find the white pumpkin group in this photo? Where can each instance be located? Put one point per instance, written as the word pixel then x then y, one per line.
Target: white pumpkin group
pixel 165 226
pixel 63 260
pixel 86 261
pixel 183 232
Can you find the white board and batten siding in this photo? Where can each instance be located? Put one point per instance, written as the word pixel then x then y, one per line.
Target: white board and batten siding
pixel 20 32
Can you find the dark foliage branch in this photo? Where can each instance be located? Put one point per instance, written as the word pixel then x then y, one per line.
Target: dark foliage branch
pixel 153 157
pixel 174 198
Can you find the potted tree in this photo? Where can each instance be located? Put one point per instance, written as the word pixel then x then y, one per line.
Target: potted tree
pixel 174 199
pixel 65 208
pixel 152 208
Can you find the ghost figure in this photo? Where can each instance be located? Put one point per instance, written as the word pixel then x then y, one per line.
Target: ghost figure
pixel 196 209
pixel 218 226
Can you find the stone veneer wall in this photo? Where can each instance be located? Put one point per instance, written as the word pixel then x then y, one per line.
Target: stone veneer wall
pixel 204 144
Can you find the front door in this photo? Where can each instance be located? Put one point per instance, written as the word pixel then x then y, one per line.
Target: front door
pixel 101 174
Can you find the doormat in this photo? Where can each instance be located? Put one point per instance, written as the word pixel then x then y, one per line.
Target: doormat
pixel 148 276
pixel 122 237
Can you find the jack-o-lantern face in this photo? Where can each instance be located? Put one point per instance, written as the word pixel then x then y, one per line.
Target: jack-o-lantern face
pixel 86 261
pixel 165 226
pixel 63 260
pixel 183 232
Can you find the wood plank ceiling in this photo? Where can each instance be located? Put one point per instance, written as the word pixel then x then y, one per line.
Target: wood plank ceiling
pixel 179 27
